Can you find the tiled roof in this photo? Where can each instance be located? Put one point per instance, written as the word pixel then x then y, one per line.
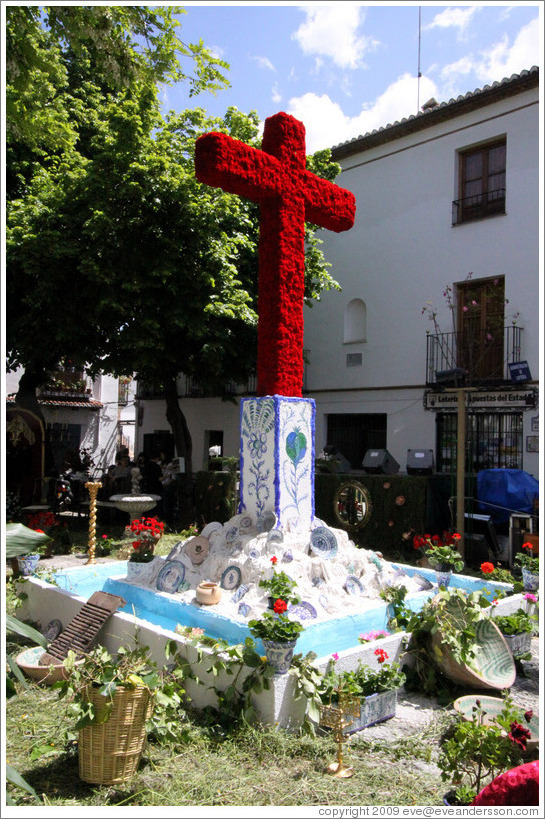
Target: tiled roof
pixel 443 111
pixel 91 404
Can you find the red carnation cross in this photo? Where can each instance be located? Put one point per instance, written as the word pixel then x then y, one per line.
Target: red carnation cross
pixel 288 194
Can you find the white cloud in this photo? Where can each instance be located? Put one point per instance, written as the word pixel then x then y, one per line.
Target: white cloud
pixel 331 31
pixel 453 18
pixel 276 96
pixel 264 62
pixel 502 60
pixel 327 125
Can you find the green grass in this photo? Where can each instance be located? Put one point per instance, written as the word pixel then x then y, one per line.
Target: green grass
pixel 249 766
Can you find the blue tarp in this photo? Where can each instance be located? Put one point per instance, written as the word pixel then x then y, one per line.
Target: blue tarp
pixel 502 491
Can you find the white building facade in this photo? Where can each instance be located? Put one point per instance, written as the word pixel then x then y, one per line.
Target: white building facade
pixel 451 192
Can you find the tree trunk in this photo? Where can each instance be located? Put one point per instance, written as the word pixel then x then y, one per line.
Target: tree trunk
pixel 184 449
pixel 26 399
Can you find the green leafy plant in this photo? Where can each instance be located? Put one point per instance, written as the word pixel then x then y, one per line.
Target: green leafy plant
pixel 364 680
pixel 516 623
pixel 280 586
pixel 129 668
pixel 473 752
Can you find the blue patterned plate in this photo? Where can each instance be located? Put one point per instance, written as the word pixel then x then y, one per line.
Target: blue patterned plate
pixel 253 553
pixel 323 542
pixel 231 534
pixel 244 609
pixel 171 576
pixel 231 578
pixel 275 536
pixel 266 521
pixel 353 585
pixel 302 610
pixel 245 523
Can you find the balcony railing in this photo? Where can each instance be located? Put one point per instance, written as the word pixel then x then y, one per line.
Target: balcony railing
pixel 477 360
pixel 478 207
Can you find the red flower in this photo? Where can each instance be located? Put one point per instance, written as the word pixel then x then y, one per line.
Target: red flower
pixel 528 715
pixel 41 531
pixel 487 568
pixel 274 560
pixel 382 656
pixel 280 606
pixel 519 734
pixel 135 544
pixel 528 546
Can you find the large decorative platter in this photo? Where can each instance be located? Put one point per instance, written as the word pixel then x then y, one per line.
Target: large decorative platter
pixel 302 610
pixel 171 576
pixel 323 542
pixel 353 585
pixel 197 549
pixel 266 521
pixel 214 526
pixel 231 578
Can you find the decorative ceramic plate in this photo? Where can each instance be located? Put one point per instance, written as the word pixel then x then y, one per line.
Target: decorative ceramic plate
pixel 287 557
pixel 266 521
pixel 422 581
pixel 324 602
pixel 253 553
pixel 323 542
pixel 211 527
pixel 244 609
pixel 171 576
pixel 197 549
pixel 52 630
pixel 302 610
pixel 239 594
pixel 353 585
pixel 275 536
pixel 231 578
pixel 245 523
pixel 175 550
pixel 231 534
pixel 318 581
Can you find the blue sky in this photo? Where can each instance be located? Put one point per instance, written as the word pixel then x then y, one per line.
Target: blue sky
pixel 347 68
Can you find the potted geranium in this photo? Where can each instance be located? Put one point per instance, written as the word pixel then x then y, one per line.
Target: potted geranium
pixel 279 635
pixel 444 557
pixel 473 752
pixel 145 533
pixel 530 567
pixel 279 586
pixel 376 688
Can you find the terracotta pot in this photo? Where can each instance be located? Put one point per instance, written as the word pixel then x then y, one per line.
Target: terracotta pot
pixel 208 593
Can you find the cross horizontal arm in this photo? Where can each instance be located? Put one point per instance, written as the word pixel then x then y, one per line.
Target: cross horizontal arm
pixel 230 164
pixel 327 205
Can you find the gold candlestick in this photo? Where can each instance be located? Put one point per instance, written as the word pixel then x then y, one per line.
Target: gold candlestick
pixel 338 717
pixel 93 487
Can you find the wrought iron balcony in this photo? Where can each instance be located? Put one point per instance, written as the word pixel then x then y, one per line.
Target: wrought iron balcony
pixel 473 360
pixel 478 207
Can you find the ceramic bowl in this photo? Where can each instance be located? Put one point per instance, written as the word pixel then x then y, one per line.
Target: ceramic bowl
pixel 29 662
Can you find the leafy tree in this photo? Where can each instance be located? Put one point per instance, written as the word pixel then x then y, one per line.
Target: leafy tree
pixel 117 257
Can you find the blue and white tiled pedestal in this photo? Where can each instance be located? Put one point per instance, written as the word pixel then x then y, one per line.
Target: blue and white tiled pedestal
pixel 277 459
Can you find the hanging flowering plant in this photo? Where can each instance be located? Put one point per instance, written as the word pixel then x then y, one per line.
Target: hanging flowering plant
pixel 145 532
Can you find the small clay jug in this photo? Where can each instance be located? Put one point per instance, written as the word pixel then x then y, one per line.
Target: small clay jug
pixel 208 593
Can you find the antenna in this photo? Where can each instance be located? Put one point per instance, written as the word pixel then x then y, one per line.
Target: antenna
pixel 419 42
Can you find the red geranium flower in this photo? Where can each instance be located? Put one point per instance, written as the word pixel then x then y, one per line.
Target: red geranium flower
pixel 280 606
pixel 274 560
pixel 382 656
pixel 487 568
pixel 519 734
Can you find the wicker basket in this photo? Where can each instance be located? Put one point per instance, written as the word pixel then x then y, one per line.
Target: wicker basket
pixel 110 752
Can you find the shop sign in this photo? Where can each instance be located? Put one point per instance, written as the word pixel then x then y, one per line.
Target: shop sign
pixel 493 401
